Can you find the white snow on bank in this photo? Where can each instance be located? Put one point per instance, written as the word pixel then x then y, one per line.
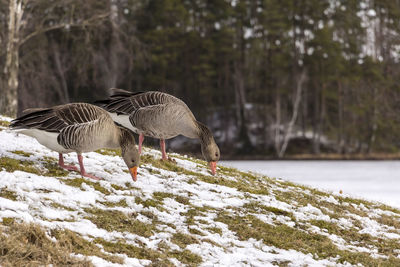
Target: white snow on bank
pixel 40 200
pixel 2 118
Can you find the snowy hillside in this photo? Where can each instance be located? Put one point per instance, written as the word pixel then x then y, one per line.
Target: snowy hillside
pixel 177 214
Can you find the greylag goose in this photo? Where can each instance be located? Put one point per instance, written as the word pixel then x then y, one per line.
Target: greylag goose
pixel 159 115
pixel 78 127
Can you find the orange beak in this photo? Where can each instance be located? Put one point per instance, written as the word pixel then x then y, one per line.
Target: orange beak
pixel 133 172
pixel 213 167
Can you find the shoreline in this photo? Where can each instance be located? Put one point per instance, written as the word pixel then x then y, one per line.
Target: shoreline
pixel 371 156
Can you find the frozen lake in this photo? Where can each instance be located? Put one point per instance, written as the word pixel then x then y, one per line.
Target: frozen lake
pixel 371 180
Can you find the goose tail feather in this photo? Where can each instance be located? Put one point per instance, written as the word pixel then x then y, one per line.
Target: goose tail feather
pixel 115 92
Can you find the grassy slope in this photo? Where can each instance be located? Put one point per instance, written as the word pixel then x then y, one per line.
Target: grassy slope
pixel 275 213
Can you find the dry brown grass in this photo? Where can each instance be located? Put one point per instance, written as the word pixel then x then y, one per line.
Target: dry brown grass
pixel 27 245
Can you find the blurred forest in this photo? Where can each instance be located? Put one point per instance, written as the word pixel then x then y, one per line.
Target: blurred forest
pixel 270 77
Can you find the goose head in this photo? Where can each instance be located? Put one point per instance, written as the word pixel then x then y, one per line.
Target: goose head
pixel 209 148
pixel 130 153
pixel 211 154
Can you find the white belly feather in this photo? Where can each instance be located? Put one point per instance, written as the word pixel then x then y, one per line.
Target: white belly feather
pixel 124 121
pixel 47 139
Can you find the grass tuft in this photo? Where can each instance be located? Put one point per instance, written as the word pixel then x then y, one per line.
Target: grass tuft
pixel 4 123
pixel 216 230
pixel 109 152
pixel 22 153
pixel 182 240
pixel 196 232
pixel 77 182
pixel 75 243
pixel 113 220
pixel 28 245
pixel 121 203
pixel 166 165
pixel 387 246
pixel 117 187
pixel 51 167
pixel 7 221
pixel 187 257
pixel 5 193
pixel 131 251
pixel 149 203
pixel 11 165
pixel 161 195
pixel 183 200
pixel 59 206
pixel 257 207
pixel 393 221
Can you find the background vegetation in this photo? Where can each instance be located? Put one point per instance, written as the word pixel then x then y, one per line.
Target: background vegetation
pixel 270 77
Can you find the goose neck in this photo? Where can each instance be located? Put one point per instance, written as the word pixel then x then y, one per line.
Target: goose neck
pixel 125 138
pixel 204 134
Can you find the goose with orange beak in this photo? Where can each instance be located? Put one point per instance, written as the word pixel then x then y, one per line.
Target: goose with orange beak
pixel 211 154
pixel 80 128
pixel 162 116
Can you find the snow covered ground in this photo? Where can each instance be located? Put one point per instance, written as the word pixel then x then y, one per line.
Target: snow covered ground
pixel 373 180
pixel 177 214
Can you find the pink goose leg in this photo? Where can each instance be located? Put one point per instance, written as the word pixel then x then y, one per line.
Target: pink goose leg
pixel 64 166
pixel 141 138
pixel 83 172
pixel 162 146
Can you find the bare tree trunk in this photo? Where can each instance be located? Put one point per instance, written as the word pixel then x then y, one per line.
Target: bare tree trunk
pixel 340 148
pixel 374 118
pixel 292 121
pixel 240 106
pixel 277 122
pixel 9 100
pixel 304 113
pixel 239 101
pixel 114 47
pixel 317 122
pixel 240 92
pixel 63 92
pixel 320 121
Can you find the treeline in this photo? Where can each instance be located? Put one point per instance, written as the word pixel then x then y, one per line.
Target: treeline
pixel 269 76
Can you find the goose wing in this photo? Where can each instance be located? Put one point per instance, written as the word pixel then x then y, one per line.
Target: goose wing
pixel 42 119
pixel 57 118
pixel 125 102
